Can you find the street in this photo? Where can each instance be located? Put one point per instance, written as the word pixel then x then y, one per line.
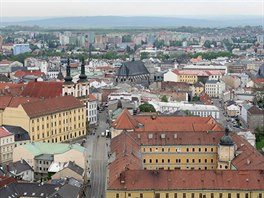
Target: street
pixel 98 159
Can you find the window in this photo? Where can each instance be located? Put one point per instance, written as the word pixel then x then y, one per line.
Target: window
pixel 205 160
pixel 187 160
pixel 162 149
pixel 141 195
pixel 184 195
pixel 150 160
pixel 117 195
pixel 199 149
pixel 238 195
pixel 246 195
pixel 168 160
pixel 193 149
pixel 167 195
pixel 229 195
pixel 175 195
pixel 260 195
pixel 192 195
pixel 212 149
pixel 212 160
pixel 220 195
pixel 157 161
pixel 162 160
pixel 150 149
pixel 193 160
pixel 187 149
pixel 200 195
pixel 199 160
pixel 212 195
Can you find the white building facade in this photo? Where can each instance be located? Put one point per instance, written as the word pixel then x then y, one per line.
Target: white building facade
pixel 214 88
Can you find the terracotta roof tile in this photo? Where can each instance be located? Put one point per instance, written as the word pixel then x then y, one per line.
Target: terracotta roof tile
pixel 91 97
pixel 43 89
pixel 5 180
pixel 125 121
pixel 47 106
pixel 20 73
pixel 4 132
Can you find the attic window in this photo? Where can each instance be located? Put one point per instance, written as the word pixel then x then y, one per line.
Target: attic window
pixel 163 136
pixel 150 136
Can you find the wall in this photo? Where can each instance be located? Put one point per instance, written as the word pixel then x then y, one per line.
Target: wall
pixel 76 156
pixel 66 172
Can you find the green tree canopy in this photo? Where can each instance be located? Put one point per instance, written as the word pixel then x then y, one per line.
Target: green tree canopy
pixel 146 107
pixel 164 99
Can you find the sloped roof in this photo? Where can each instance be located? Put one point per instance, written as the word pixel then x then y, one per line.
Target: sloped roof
pixel 47 106
pixel 125 121
pixel 132 68
pixel 20 73
pixel 4 132
pixel 91 97
pixel 43 89
pixel 39 148
pixel 255 110
pixel 19 166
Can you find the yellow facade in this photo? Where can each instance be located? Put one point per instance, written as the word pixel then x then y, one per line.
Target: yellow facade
pixel 187 157
pixel 56 127
pixel 190 79
pixel 198 90
pixel 186 194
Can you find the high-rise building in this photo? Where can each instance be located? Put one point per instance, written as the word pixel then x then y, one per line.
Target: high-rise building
pixel 21 48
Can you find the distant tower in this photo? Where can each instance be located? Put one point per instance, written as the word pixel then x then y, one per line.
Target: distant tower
pixel 1 42
pixel 68 85
pixel 226 152
pixel 60 75
pixel 83 83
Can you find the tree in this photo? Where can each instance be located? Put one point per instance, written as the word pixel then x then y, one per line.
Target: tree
pixel 146 107
pixel 144 55
pixel 164 99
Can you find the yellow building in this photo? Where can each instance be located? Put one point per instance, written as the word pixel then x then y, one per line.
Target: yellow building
pixel 174 164
pixel 57 119
pixel 197 88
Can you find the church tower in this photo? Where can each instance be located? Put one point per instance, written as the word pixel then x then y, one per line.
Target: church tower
pixel 68 85
pixel 226 152
pixel 83 84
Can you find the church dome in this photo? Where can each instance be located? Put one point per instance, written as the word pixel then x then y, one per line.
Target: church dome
pixel 226 140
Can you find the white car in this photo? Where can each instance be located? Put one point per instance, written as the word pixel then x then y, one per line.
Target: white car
pixel 103 134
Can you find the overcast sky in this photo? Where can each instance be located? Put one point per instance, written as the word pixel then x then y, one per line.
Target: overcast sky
pixel 58 8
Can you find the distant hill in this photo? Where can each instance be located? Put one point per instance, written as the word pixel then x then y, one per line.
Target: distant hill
pixel 118 21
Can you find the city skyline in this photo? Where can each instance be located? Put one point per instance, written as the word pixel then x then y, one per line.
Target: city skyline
pixel 192 8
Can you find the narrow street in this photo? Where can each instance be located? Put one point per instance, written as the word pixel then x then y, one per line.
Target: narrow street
pixel 99 145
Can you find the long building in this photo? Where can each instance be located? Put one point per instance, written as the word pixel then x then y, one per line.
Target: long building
pixel 57 119
pixel 182 164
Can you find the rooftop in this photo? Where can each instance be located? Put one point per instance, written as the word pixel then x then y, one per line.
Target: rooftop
pixel 39 148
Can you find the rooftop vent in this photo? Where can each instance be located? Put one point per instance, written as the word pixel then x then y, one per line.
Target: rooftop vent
pixel 138 136
pixel 175 136
pixel 163 136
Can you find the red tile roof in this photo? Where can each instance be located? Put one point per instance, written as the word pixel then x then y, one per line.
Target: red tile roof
pixel 10 101
pixel 127 167
pixel 11 89
pixel 48 106
pixel 196 72
pixel 91 97
pixel 5 62
pixel 189 179
pixel 165 123
pixel 20 73
pixel 259 80
pixel 125 121
pixel 4 132
pixel 43 89
pixel 5 180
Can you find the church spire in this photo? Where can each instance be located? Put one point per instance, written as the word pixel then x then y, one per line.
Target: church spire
pixel 68 78
pixel 82 76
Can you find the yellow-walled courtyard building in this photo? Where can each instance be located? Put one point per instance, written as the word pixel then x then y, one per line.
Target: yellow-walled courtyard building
pixel 52 120
pixel 148 163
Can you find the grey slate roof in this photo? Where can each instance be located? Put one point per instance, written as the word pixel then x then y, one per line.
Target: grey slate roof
pixel 16 190
pixel 46 157
pixel 132 68
pixel 20 133
pixel 4 78
pixel 66 191
pixel 74 167
pixel 19 167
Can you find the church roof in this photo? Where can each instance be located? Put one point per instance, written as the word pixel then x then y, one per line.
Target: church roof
pixel 132 68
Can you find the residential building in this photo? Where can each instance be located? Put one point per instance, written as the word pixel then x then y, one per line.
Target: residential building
pixel 233 110
pixel 57 119
pixel 92 110
pixel 214 88
pixel 197 89
pixel 244 110
pixel 255 117
pixel 7 143
pixel 69 170
pixel 40 156
pixel 21 48
pixel 194 109
pixel 21 170
pixel 20 134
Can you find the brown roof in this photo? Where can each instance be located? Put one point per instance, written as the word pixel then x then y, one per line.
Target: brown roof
pixel 53 105
pixel 125 121
pixel 5 180
pixel 189 179
pixel 165 123
pixel 127 165
pixel 43 89
pixel 91 97
pixel 255 110
pixel 14 101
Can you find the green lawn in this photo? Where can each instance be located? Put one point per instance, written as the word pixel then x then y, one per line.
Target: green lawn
pixel 260 144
